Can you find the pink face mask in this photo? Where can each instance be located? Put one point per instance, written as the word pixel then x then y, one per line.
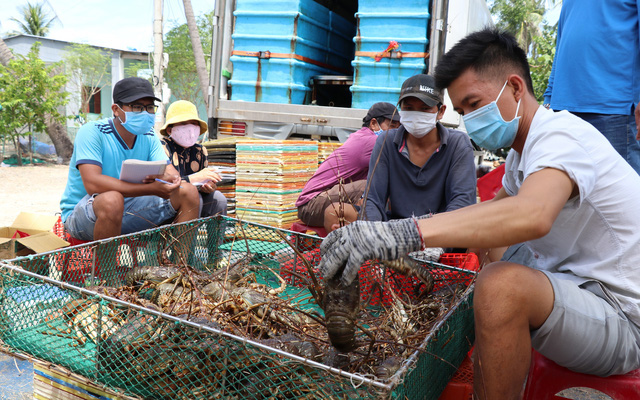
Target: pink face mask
pixel 185 135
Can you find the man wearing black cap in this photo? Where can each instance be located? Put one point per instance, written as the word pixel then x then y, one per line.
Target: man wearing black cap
pixel 96 204
pixel 422 167
pixel 342 176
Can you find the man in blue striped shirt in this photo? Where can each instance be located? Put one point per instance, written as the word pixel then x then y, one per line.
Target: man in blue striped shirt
pixel 96 204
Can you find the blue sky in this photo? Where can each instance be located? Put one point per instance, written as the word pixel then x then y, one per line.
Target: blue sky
pixel 121 24
pixel 553 13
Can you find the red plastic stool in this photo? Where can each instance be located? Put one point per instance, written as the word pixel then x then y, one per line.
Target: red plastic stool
pixel 75 266
pixel 302 228
pixel 546 379
pixel 72 266
pixel 75 242
pixel 490 184
pixel 460 387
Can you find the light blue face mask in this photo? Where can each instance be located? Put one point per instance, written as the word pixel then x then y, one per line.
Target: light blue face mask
pixel 487 127
pixel 379 132
pixel 138 123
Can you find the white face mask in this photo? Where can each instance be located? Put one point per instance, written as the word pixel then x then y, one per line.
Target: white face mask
pixel 185 135
pixel 418 123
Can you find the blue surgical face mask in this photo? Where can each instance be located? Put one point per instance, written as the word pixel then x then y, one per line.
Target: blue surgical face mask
pixel 379 132
pixel 138 123
pixel 487 127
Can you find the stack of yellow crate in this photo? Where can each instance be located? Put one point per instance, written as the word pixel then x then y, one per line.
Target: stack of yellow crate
pixel 222 157
pixel 325 149
pixel 270 175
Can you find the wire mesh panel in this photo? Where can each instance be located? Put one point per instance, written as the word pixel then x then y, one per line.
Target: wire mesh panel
pixel 218 308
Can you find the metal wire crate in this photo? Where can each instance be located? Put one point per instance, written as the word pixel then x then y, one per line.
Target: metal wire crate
pixel 51 310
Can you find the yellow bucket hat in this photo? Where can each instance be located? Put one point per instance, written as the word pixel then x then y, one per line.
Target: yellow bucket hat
pixel 180 111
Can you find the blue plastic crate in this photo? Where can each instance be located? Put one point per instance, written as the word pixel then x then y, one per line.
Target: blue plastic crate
pixel 383 5
pixel 376 30
pixel 274 80
pixel 375 81
pixel 318 41
pixel 382 80
pixel 301 27
pixel 340 41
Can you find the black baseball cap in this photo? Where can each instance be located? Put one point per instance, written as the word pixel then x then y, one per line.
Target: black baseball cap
pixel 423 87
pixel 382 109
pixel 131 89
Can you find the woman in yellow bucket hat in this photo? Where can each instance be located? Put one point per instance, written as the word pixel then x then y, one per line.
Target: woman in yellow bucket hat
pixel 179 136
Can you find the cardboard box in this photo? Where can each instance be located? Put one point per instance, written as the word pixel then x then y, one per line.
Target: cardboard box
pixel 28 234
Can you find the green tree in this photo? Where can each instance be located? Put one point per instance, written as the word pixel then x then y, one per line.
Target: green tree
pixel 541 60
pixel 525 20
pixel 133 68
pixel 31 95
pixel 521 18
pixel 88 69
pixel 55 129
pixel 35 20
pixel 181 74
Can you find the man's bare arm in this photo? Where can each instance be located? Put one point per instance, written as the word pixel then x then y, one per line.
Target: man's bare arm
pixel 95 182
pixel 516 219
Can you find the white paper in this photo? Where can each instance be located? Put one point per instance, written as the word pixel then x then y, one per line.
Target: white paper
pixel 197 184
pixel 135 171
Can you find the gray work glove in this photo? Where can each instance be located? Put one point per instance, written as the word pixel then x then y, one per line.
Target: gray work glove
pixel 428 254
pixel 360 241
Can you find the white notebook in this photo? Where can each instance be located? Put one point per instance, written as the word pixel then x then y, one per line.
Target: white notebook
pixel 135 171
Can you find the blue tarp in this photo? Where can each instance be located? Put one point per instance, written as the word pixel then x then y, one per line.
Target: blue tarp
pixel 38 147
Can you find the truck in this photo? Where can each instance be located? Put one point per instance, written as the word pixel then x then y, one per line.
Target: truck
pixel 310 69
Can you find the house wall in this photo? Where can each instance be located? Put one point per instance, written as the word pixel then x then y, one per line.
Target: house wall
pixel 52 51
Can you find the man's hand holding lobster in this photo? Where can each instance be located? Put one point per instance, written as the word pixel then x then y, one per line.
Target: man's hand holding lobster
pixel 360 241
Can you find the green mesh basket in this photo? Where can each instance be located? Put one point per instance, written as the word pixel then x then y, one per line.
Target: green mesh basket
pixel 52 309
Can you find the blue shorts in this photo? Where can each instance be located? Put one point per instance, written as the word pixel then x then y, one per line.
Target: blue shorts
pixel 140 213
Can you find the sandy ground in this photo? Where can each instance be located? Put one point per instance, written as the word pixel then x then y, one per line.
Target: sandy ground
pixel 31 188
pixel 16 378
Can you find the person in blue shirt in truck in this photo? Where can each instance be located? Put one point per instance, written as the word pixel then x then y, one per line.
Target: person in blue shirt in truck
pixel 598 44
